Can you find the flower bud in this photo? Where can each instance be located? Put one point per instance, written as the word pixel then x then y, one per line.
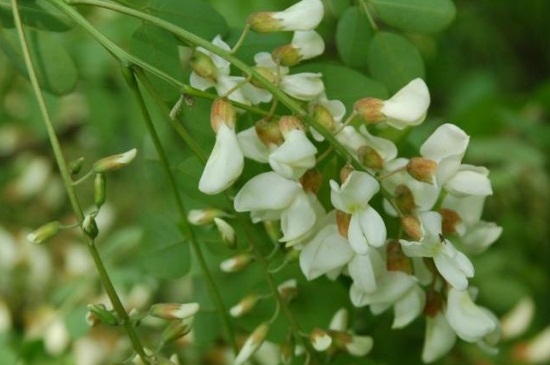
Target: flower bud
pixel 517 321
pixel 287 55
pixel 450 220
pixel 236 263
pixel 244 306
pixel 98 313
pixel 90 226
pixel 345 172
pixel 114 162
pixel 289 123
pixel 263 22
pixel 422 169
pixel 44 233
pixel 267 74
pixel 75 166
pixel 203 66
pixel 412 227
pixel 311 181
pixel 100 184
pixel 320 339
pixel 404 200
pixel 174 310
pixel 288 289
pixel 354 345
pixel 252 343
pixel 177 329
pixel 370 109
pixel 227 233
pixel 370 158
pixel 287 350
pixel 199 217
pixel 268 131
pixel 342 222
pixel 323 116
pixel 222 112
pixel 396 260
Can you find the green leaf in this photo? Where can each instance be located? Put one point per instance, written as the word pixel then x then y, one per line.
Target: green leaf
pixel 35 13
pixel 195 16
pixel 345 84
pixel 394 61
pixel 54 68
pixel 353 35
pixel 422 16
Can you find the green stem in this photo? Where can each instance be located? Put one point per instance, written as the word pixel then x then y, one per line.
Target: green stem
pixel 66 177
pixel 368 14
pixel 130 76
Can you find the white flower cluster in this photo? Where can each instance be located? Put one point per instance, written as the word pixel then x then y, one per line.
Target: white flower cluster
pixel 435 196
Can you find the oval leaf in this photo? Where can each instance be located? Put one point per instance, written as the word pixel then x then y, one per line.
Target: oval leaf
pixel 353 35
pixel 422 16
pixel 394 60
pixel 35 13
pixel 54 67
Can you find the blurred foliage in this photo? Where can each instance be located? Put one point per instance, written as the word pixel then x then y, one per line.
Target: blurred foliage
pixel 488 72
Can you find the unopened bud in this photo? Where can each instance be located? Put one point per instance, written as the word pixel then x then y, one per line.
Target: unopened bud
pixel 536 350
pixel 289 123
pixel 288 289
pixel 320 339
pixel 203 66
pixel 90 226
pixel 227 233
pixel 404 200
pixel 76 165
pixel 311 181
pixel 422 169
pixel 236 263
pixel 252 343
pixel 174 310
pixel 370 158
pixel 451 219
pixel 177 329
pixel 267 73
pixel 517 321
pixel 114 162
pixel 199 217
pixel 412 227
pixel 434 303
pixel 97 313
pixel 345 172
pixel 339 321
pixel 288 348
pixel 44 233
pixel 342 222
pixel 263 22
pixel 222 112
pixel 100 187
pixel 354 345
pixel 268 131
pixel 396 260
pixel 244 306
pixel 322 116
pixel 287 55
pixel 370 109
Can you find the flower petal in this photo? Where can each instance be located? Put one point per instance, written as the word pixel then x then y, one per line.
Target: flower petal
pixel 408 106
pixel 267 191
pixel 355 193
pixel 372 227
pixel 469 180
pixel 447 140
pixel 357 239
pixel 362 271
pixel 294 157
pixel 251 145
pixel 302 86
pixel 304 15
pixel 440 338
pixel 298 218
pixel 309 42
pixel 409 307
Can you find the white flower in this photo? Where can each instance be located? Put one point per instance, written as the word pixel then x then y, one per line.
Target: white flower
pixel 309 43
pixel 452 264
pixel 253 147
pixel 226 232
pixel 269 196
pixel 517 320
pixel 440 338
pixel 366 227
pixel 225 163
pixel 328 113
pixel 391 286
pixel 447 146
pixel 365 271
pixel 304 15
pixel 252 343
pixel 294 157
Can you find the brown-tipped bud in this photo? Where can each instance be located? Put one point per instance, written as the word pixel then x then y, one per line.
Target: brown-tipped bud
pixel 90 226
pixel 252 343
pixel 434 303
pixel 345 172
pixel 236 263
pixel 177 329
pixel 370 158
pixel 322 116
pixel 263 22
pixel 267 74
pixel 199 217
pixel 288 347
pixel 422 169
pixel 342 222
pixel 311 181
pixel 412 227
pixel 97 313
pixel 229 237
pixel 44 233
pixel 404 200
pixel 114 162
pixel 174 310
pixel 268 131
pixel 396 260
pixel 287 55
pixel 222 112
pixel 244 306
pixel 450 220
pixel 100 188
pixel 203 66
pixel 290 123
pixel 320 339
pixel 288 290
pixel 370 109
